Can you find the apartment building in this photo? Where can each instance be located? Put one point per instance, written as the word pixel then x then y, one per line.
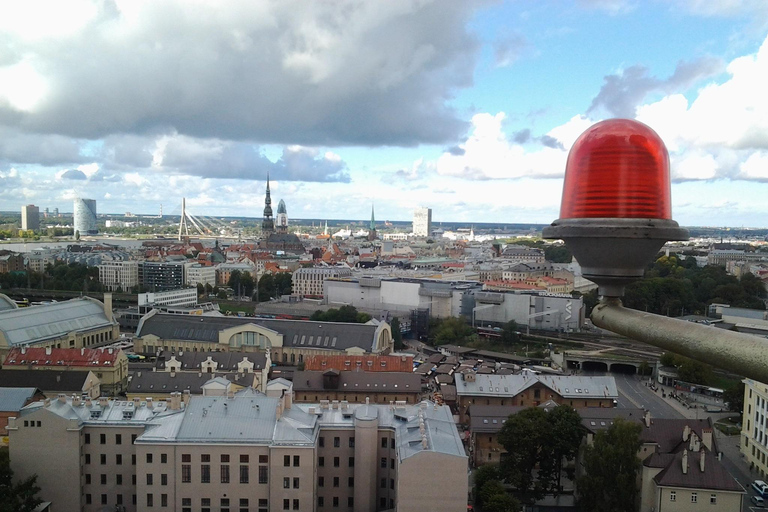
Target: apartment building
pixel 754 429
pixel 245 451
pixel 308 282
pixel 159 276
pixel 200 274
pixel 119 275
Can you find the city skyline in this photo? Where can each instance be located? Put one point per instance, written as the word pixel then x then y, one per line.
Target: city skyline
pixel 467 108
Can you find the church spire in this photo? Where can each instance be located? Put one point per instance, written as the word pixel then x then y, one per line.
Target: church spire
pixel 268 225
pixel 372 231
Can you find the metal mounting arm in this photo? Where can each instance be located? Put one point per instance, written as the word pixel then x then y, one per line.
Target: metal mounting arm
pixel 742 354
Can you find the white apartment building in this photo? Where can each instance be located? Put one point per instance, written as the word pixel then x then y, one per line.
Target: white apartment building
pixel 422 221
pixel 122 275
pixel 185 297
pixel 308 282
pixel 199 274
pixel 754 426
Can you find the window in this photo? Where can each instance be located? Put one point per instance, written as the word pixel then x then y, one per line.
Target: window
pixel 133 459
pixel 351 502
pixel 186 473
pixel 391 483
pixel 263 459
pixel 713 499
pixel 286 460
pixel 205 473
pixel 87 458
pixel 295 504
pixel 351 462
pixel 149 478
pixel 118 439
pixel 118 479
pixel 336 442
pixel 321 461
pixel 119 459
pixel 320 501
pixel 103 499
pixel 87 478
pixel 383 483
pixel 335 501
pixel 87 437
pixel 103 479
pixel 351 481
pixel 119 499
pixel 295 483
pixel 205 503
pixel 383 442
pixel 102 438
pixel 384 462
pixel 335 481
pixel 150 500
pixel 87 499
pixel 205 457
pixel 263 505
pixel 133 438
pixel 382 502
pixel 149 458
pixel 336 462
pixel 224 458
pixel 321 442
pixel 694 497
pixel 164 458
pixel 163 500
pixel 296 461
pixel 133 479
pixel 225 473
pixel 103 458
pixel 164 479
pixel 391 463
pixel 286 504
pixel 392 443
pixel 286 483
pixel 321 481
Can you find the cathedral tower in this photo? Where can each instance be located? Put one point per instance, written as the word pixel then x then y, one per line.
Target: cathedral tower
pixel 267 225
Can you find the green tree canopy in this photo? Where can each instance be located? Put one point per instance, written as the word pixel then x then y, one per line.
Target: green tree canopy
pixel 20 496
pixel 611 466
pixel 397 335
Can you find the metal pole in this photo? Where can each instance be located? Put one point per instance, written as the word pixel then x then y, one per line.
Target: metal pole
pixel 742 354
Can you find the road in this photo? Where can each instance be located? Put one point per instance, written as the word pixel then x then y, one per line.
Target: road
pixel 634 393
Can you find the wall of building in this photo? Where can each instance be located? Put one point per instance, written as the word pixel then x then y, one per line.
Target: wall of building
pixel 415 494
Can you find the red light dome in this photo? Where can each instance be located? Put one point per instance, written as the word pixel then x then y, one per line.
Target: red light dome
pixel 618 168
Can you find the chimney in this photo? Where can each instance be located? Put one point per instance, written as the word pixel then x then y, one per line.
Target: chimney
pixel 62 398
pixel 685 462
pixel 686 432
pixel 149 401
pixel 108 305
pixel 76 400
pixel 185 396
pixel 706 438
pixel 47 351
pixel 23 350
pixel 647 419
pixel 175 401
pixel 701 459
pixel 103 401
pixel 82 351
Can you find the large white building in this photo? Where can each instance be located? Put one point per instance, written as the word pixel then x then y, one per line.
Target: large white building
pixel 85 217
pixel 422 222
pixel 199 274
pixel 308 282
pixel 122 275
pixel 30 217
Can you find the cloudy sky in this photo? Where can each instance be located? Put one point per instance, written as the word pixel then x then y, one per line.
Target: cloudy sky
pixel 467 107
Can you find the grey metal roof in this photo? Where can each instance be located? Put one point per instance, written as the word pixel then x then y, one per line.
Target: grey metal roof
pixel 47 381
pixel 227 361
pixel 28 325
pixel 567 386
pixel 296 333
pixel 7 303
pixel 13 399
pixel 92 412
pixel 165 382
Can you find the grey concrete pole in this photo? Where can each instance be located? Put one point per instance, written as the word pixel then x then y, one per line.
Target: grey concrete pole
pixel 742 354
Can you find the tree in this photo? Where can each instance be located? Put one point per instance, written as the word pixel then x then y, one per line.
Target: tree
pixel 451 330
pixel 496 499
pixel 484 474
pixel 234 281
pixel 19 497
pixel 522 436
pixel 734 397
pixel 509 333
pixel 565 434
pixel 397 335
pixel 200 289
pixel 246 284
pixel 611 466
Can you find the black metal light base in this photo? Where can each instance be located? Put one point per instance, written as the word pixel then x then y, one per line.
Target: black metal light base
pixel 614 252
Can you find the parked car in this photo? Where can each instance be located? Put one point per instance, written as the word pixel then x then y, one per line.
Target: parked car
pixel 758 501
pixel 761 487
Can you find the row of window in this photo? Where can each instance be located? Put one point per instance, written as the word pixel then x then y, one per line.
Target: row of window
pixel 336 462
pixel 224 504
pixel 321 481
pixel 336 442
pixel 224 476
pixel 335 501
pixel 118 440
pixel 694 497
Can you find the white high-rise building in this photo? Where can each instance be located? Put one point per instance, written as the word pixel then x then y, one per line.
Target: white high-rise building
pixel 85 217
pixel 30 217
pixel 422 221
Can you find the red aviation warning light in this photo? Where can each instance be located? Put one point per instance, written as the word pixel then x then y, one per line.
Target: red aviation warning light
pixel 616 209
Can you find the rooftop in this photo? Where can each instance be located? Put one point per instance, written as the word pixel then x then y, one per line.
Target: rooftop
pixel 567 386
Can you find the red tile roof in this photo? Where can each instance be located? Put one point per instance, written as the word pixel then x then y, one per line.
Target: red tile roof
pixel 360 363
pixel 90 357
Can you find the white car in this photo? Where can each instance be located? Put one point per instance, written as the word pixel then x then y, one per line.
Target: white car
pixel 758 501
